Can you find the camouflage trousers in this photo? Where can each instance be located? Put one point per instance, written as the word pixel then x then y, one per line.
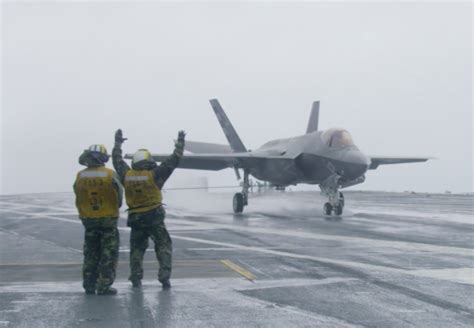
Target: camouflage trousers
pixel 139 243
pixel 101 250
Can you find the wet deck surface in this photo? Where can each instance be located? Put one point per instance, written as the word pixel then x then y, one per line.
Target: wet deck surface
pixel 392 260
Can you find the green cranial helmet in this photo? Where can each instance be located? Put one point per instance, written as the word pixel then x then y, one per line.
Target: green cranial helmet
pixel 142 155
pixel 94 155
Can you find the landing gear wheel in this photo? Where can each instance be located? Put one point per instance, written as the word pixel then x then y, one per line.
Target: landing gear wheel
pixel 238 203
pixel 327 209
pixel 340 207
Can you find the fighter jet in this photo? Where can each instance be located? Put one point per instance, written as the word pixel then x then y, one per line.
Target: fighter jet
pixel 326 158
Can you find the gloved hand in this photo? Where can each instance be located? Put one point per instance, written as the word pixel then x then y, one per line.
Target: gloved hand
pixel 179 146
pixel 119 139
pixel 181 136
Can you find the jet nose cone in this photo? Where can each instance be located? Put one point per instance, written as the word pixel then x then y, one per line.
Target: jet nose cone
pixel 362 159
pixel 359 163
pixel 358 158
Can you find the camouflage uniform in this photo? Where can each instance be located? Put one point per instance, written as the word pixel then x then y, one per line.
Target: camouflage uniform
pixel 149 224
pixel 101 250
pixel 101 242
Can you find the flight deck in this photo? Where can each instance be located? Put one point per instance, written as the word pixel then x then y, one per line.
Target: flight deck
pixel 392 260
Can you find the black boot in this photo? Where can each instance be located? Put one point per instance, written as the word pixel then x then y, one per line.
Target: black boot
pixel 166 284
pixel 107 291
pixel 90 291
pixel 136 283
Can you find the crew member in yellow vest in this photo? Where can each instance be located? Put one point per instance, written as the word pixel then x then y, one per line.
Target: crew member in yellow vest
pixel 143 183
pixel 98 199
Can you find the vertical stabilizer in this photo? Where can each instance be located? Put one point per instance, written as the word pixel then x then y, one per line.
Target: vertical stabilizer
pixel 229 131
pixel 314 118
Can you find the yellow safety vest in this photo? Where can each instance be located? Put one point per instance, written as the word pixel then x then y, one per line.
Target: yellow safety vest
pixel 96 196
pixel 141 192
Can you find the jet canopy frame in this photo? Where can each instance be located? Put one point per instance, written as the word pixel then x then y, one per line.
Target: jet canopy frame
pixel 337 138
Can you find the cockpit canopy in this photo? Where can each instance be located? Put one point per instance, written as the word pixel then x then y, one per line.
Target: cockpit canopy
pixel 337 138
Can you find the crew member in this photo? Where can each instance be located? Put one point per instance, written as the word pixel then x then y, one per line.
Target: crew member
pixel 146 215
pixel 98 199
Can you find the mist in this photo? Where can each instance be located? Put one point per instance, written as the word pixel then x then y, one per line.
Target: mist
pixel 398 76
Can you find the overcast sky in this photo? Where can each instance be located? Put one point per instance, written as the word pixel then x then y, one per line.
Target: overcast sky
pixel 398 76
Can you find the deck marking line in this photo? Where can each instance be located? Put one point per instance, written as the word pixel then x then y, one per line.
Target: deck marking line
pixel 231 265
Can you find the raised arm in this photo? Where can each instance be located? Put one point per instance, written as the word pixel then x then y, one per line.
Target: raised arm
pixel 120 166
pixel 166 168
pixel 118 188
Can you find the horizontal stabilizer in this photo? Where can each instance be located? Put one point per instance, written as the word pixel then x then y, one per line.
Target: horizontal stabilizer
pixel 206 147
pixel 313 118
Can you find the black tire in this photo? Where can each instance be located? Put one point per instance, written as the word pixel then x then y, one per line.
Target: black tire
pixel 327 209
pixel 338 210
pixel 238 203
pixel 341 199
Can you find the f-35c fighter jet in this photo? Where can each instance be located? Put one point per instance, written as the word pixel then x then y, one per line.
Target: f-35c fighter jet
pixel 326 158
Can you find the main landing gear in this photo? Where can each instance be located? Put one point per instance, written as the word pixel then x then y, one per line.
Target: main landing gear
pixel 241 198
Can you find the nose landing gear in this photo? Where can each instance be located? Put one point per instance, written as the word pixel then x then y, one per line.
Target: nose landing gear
pixel 336 206
pixel 330 187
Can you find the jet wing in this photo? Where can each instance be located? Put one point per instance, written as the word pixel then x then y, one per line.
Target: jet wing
pixel 376 161
pixel 216 162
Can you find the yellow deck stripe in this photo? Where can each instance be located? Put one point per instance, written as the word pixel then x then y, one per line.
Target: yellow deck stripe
pixel 231 265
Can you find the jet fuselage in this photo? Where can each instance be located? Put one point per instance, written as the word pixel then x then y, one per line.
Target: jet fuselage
pixel 316 158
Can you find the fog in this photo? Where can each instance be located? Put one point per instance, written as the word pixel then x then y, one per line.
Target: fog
pixel 398 76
